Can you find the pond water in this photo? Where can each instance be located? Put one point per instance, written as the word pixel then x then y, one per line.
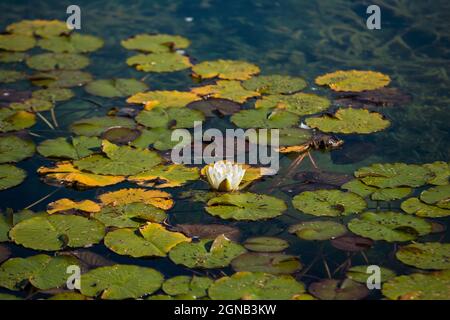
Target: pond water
pixel 293 37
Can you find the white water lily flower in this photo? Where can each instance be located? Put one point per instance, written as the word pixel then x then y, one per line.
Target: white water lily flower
pixel 225 175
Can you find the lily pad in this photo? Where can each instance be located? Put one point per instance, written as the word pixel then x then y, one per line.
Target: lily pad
pixel 186 285
pixel 61 78
pixel 42 271
pixel 301 104
pixel 354 80
pixel 428 255
pixel 275 84
pixel 209 231
pixel 255 286
pixel 392 175
pixel 389 194
pixel 41 28
pixel 205 253
pixel 171 176
pixel 163 99
pixel 417 207
pixel 9 76
pixel 349 120
pixel 360 274
pixel 95 126
pixel 11 176
pixel 119 160
pixel 438 196
pixel 351 243
pixel 212 107
pixel 16 42
pixel 159 62
pixel 331 289
pixel 389 226
pixel 157 198
pixel 74 43
pixel 15 149
pixel 440 173
pixel 274 263
pixel 245 206
pixel 66 173
pixel 224 89
pixel 5 225
pixel 361 189
pixel 53 61
pixel 53 94
pixel 130 215
pixel 121 282
pixel 12 57
pixel 32 105
pixel 225 69
pixel 331 203
pixel 264 119
pixel 290 139
pixel 172 118
pixel 318 230
pixel 65 204
pixel 158 138
pixel 419 286
pixel 112 88
pixel 156 43
pixel 266 244
pixel 72 148
pixel 151 240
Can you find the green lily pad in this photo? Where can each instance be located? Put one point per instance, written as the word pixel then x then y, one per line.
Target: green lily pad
pixel 5 225
pixel 119 160
pixel 15 149
pixel 61 78
pixel 156 43
pixel 429 255
pixel 32 105
pixel 95 126
pixel 16 42
pixel 318 230
pixel 11 57
pixel 417 207
pixel 225 69
pixel 274 263
pixel 41 28
pixel 439 196
pixel 286 137
pixel 9 76
pixel 166 176
pixel 301 104
pixel 74 43
pixel 151 240
pixel 360 274
pixel 225 89
pixel 42 271
pixel 120 282
pixel 72 148
pixel 255 286
pixel 55 232
pixel 349 120
pixel 361 189
pixel 419 286
pixel 389 226
pixel 331 203
pixel 53 94
pixel 121 135
pixel 261 118
pixel 354 80
pixel 11 176
pixel 392 175
pixel 163 98
pixel 331 289
pixel 186 285
pixel 440 172
pixel 130 215
pixel 53 61
pixel 389 194
pixel 172 118
pixel 6 296
pixel 158 138
pixel 112 88
pixel 205 253
pixel 159 62
pixel 245 206
pixel 266 244
pixel 69 296
pixel 274 84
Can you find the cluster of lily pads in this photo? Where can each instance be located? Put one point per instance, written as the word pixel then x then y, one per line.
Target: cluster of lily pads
pixel 111 149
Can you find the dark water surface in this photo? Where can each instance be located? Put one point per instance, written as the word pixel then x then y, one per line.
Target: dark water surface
pixel 296 37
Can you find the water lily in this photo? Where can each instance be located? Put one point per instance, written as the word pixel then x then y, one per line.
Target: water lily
pixel 225 175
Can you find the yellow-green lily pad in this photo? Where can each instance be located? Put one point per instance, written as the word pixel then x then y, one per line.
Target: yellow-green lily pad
pixel 389 194
pixel 225 69
pixel 354 80
pixel 61 78
pixel 9 76
pixel 438 196
pixel 32 105
pixel 131 215
pixel 163 98
pixel 112 88
pixel 274 84
pixel 53 61
pixel 318 230
pixel 15 149
pixel 16 42
pixel 74 43
pixel 12 120
pixel 11 176
pixel 95 126
pixel 156 43
pixel 265 244
pixel 301 103
pixel 274 263
pixel 160 62
pixel 53 94
pixel 158 138
pixel 171 118
pixel 168 176
pixel 12 57
pixel 261 118
pixel 185 285
pixel 226 89
pixel 361 189
pixel 41 28
pixel 360 274
pixel 428 255
pixel 71 148
pixel 440 173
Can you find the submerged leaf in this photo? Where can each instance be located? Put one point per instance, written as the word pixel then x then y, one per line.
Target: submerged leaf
pixel 331 289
